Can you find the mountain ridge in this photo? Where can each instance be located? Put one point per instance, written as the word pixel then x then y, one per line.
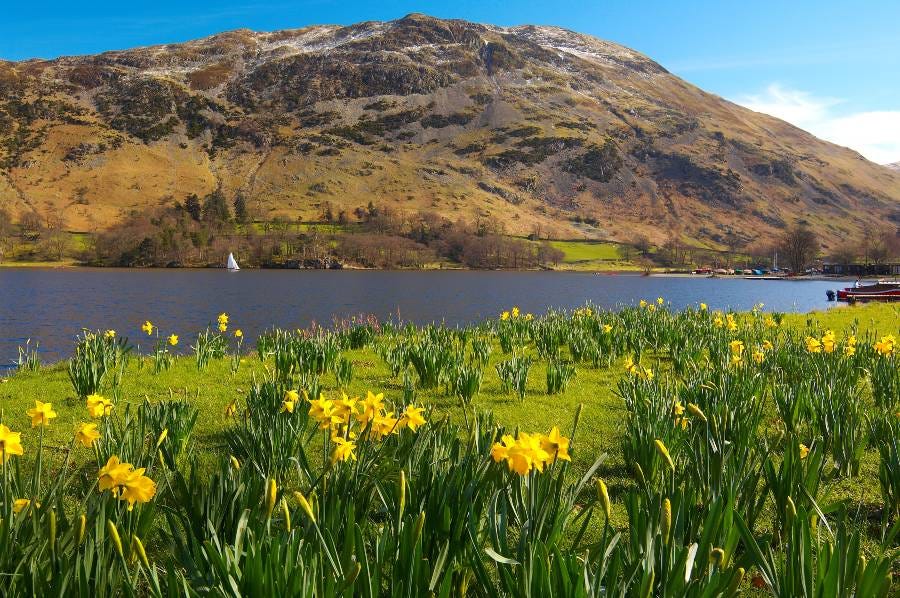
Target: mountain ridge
pixel 535 126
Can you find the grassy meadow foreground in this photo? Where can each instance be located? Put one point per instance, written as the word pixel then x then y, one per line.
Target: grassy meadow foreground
pixel 641 452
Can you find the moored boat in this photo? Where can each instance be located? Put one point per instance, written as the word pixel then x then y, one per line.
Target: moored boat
pixel 883 290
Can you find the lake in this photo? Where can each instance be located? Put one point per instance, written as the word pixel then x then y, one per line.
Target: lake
pixel 51 306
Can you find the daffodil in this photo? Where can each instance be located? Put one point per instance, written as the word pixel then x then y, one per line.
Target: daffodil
pixel 660 301
pixel 703 307
pixel 556 445
pixel 514 312
pixel 20 504
pixel 290 399
pixel 231 409
pixel 110 334
pixel 529 317
pixel 343 450
pixel 223 327
pixel 41 414
pixel 238 333
pixel 500 450
pixel 371 406
pixel 885 346
pixel 87 434
pixel 677 408
pixel 222 319
pixel 804 451
pixel 504 316
pixel 112 475
pixel 137 487
pixel 148 327
pixel 10 443
pixel 173 339
pixel 642 303
pixel 813 345
pixel 97 406
pixel 412 418
pixel 607 328
pixel 736 347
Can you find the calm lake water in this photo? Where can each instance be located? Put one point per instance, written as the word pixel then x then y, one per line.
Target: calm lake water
pixel 52 306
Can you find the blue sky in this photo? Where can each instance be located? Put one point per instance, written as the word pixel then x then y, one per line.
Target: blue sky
pixel 831 67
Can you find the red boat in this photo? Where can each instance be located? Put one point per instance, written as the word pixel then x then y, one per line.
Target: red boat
pixel 883 290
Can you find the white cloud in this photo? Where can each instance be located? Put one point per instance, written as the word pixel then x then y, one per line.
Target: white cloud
pixel 874 134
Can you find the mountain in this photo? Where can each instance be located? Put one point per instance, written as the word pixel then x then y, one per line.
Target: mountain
pixel 534 127
pixel 894 166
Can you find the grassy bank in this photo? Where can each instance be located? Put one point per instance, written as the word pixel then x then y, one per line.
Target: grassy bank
pixel 691 357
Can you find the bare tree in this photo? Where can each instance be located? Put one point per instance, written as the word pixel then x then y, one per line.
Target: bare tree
pixel 799 246
pixel 844 254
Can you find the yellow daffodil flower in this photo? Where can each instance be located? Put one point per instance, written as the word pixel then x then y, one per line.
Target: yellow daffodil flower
pixel 412 418
pixel 147 327
pixel 97 406
pixel 87 434
pixel 173 339
pixel 343 450
pixel 41 414
pixel 10 443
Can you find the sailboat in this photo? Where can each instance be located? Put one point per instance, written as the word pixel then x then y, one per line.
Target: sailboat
pixel 232 264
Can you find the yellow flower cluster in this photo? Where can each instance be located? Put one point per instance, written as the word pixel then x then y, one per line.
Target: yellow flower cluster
pixel 514 313
pixel 126 482
pixel 338 416
pixel 886 346
pixel 531 451
pixel 737 352
pixel 728 321
pixel 223 322
pixel 635 369
pixel 828 344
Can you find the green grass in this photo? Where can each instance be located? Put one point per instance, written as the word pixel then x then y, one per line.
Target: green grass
pixel 581 251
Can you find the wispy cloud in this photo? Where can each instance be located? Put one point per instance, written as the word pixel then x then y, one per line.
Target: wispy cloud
pixel 874 134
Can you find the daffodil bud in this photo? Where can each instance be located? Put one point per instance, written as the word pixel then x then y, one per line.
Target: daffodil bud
pixel 304 504
pixel 138 547
pixel 666 523
pixel 82 525
pixel 162 437
pixel 694 410
pixel 402 492
pixel 420 523
pixel 664 452
pixel 791 510
pixel 736 580
pixel 286 514
pixel 717 556
pixel 113 533
pixel 639 473
pixel 271 495
pixel 603 495
pixel 234 462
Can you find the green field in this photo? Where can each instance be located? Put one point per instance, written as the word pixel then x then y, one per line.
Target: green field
pixel 594 394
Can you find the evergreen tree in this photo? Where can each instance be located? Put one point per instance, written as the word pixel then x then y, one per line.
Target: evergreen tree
pixel 240 208
pixel 215 208
pixel 192 206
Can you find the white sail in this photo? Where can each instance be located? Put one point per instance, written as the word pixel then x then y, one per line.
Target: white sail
pixel 232 263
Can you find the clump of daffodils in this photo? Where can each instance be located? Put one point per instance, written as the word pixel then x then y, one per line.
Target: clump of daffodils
pixel 886 346
pixel 370 415
pixel 125 482
pixel 637 370
pixel 531 451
